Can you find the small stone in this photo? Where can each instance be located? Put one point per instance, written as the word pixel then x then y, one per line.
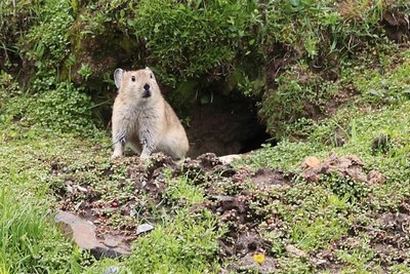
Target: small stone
pixel 311 162
pixel 112 270
pixel 144 228
pixel 375 177
pixel 69 189
pixel 82 189
pixel 227 159
pixel 291 249
pixel 110 241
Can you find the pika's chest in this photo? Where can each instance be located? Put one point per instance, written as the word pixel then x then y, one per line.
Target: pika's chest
pixel 139 117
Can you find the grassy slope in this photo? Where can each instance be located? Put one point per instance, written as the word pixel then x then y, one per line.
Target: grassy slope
pixel 314 215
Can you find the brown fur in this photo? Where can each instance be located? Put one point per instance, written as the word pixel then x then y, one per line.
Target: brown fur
pixel 143 119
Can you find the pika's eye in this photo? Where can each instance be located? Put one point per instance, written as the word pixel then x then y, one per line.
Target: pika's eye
pixel 150 76
pixel 133 78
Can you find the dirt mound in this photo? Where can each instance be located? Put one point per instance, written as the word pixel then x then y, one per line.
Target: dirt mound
pixel 347 166
pixel 397 25
pixel 125 196
pixel 388 237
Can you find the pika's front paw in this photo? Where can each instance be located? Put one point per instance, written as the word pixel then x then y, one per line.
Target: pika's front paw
pixel 144 156
pixel 116 156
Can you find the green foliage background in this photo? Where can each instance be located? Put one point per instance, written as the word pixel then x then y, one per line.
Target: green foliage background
pixel 287 54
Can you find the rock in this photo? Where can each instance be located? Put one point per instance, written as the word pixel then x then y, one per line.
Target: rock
pixel 294 251
pixel 311 162
pixel 375 177
pixel 144 228
pixel 227 159
pixel 83 234
pixel 81 231
pixel 112 270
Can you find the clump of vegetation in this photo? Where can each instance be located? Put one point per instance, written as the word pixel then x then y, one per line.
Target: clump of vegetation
pixel 63 110
pixel 168 28
pixel 380 87
pixel 279 53
pixel 182 245
pixel 300 93
pixel 47 43
pixel 9 87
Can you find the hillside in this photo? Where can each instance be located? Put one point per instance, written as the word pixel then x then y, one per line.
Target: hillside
pixel 315 93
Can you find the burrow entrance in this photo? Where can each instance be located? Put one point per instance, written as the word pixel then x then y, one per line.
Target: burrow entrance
pixel 227 125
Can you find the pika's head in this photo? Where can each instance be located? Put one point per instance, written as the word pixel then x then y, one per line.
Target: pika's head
pixel 137 84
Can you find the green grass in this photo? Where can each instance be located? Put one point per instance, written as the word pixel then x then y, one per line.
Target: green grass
pixel 181 245
pixel 314 216
pixel 319 214
pixel 181 191
pixel 28 241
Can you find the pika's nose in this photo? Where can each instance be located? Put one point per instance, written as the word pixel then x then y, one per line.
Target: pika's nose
pixel 146 87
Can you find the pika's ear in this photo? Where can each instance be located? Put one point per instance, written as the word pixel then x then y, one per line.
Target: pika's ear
pixel 118 74
pixel 147 68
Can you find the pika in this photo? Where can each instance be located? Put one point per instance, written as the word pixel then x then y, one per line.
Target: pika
pixel 143 119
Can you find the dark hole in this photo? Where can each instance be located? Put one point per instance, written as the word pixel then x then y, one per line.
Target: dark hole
pixel 227 125
pixel 255 141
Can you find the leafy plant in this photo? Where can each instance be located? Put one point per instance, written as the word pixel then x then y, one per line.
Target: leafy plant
pixel 178 35
pixel 62 110
pixel 85 71
pixel 299 93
